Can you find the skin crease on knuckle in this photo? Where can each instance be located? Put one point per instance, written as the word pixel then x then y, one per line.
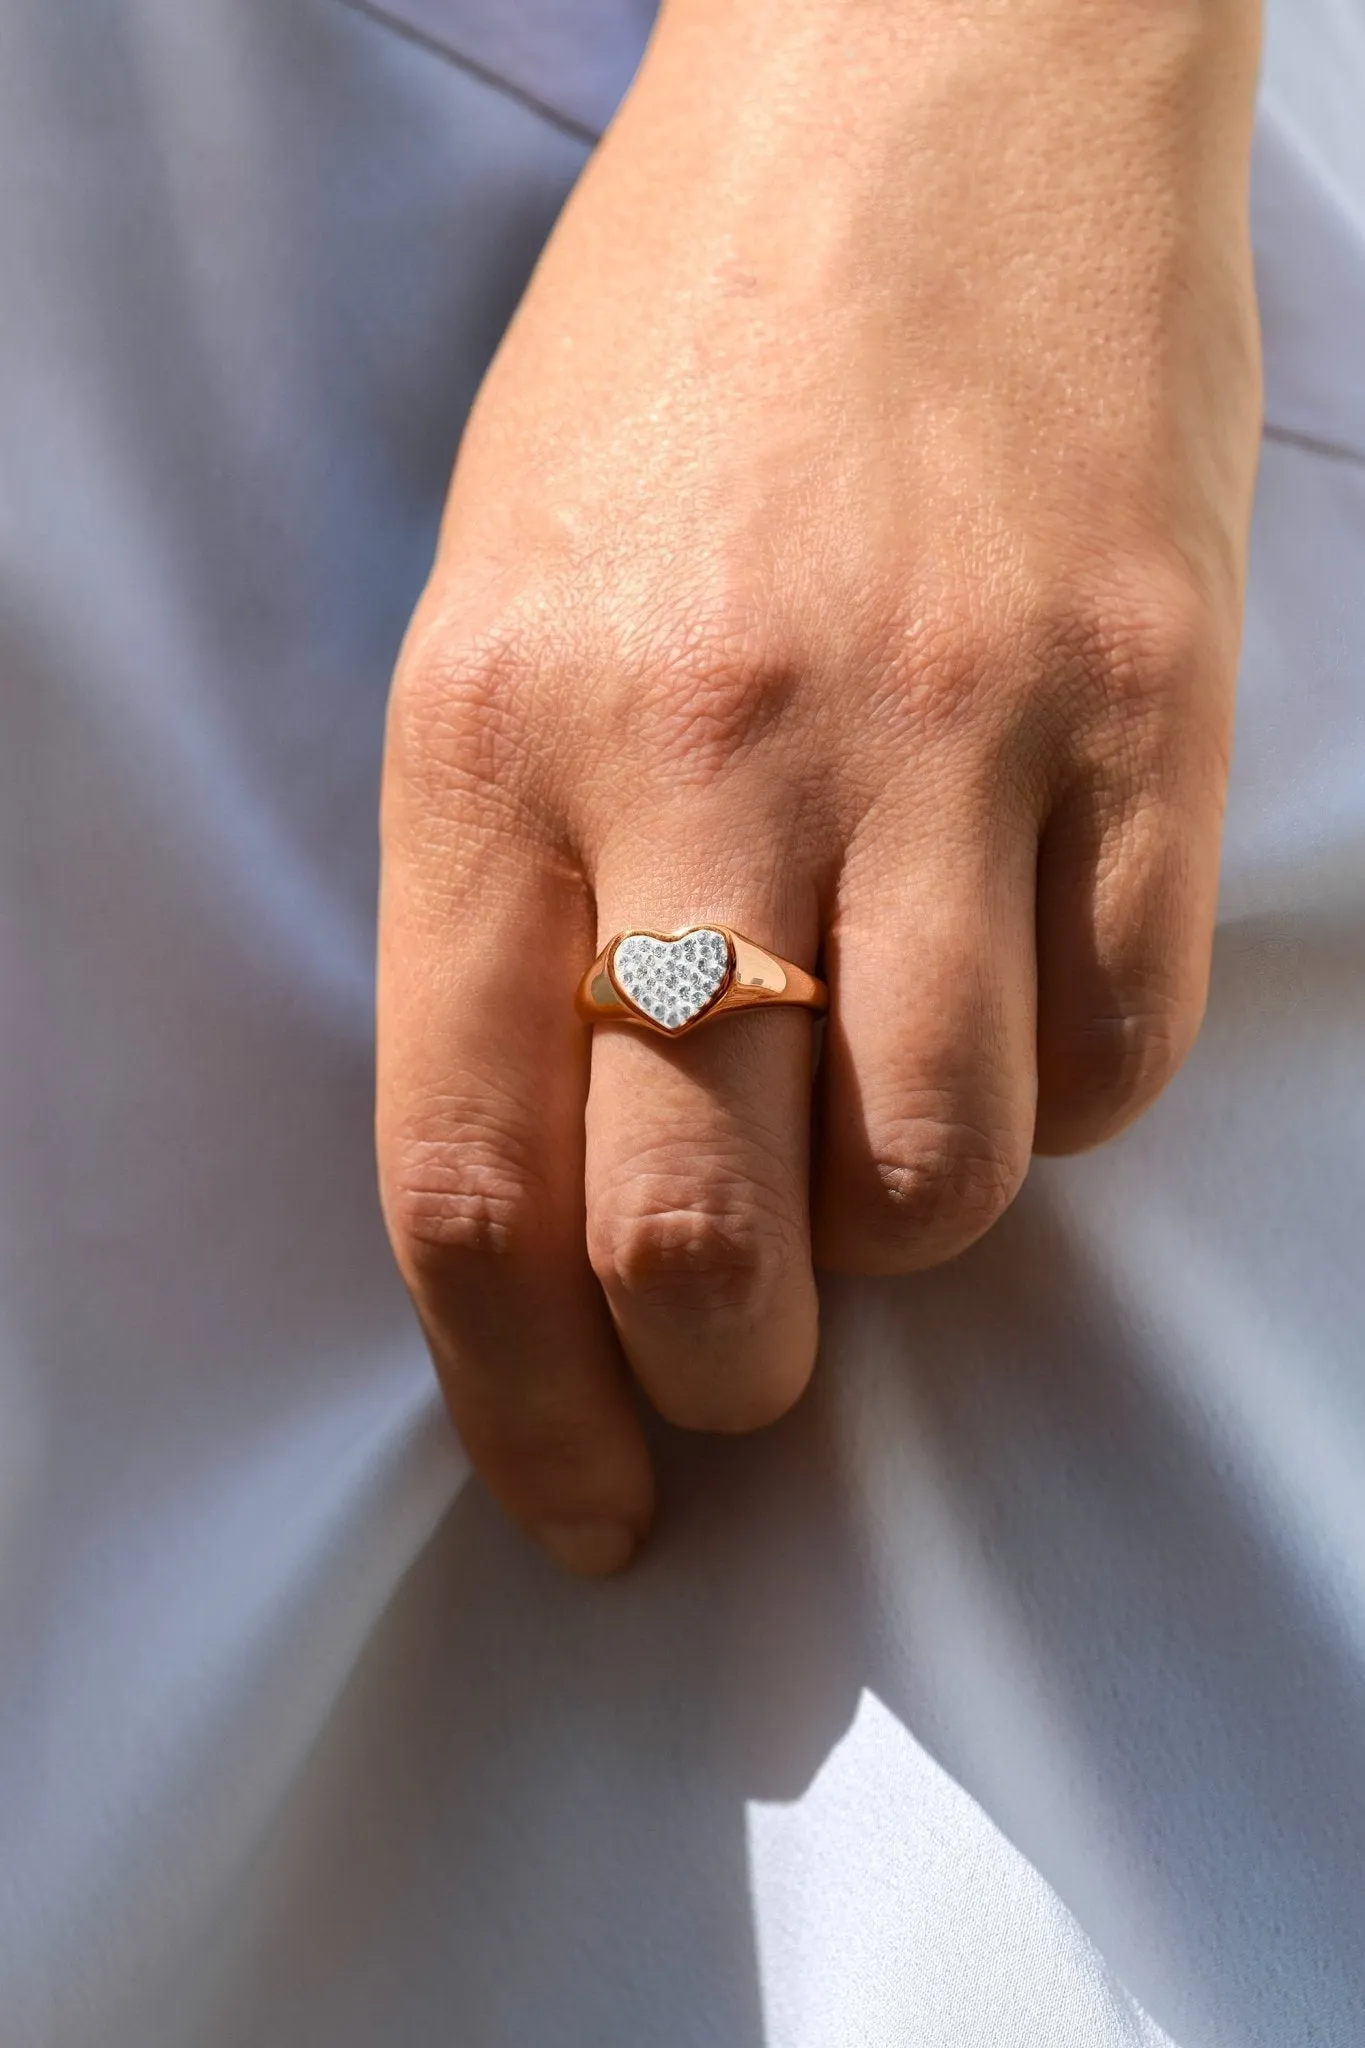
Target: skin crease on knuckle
pixel 467 1194
pixel 716 1256
pixel 1111 1067
pixel 465 733
pixel 926 1189
pixel 1125 949
pixel 712 1265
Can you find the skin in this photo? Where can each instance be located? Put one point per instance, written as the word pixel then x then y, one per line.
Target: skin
pixel 847 546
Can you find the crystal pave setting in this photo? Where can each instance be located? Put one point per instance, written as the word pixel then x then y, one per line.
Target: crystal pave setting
pixel 672 981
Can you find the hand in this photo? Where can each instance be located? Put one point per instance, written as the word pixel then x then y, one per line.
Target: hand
pixel 847 546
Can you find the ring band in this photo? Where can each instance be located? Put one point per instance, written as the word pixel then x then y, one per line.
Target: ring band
pixel 670 982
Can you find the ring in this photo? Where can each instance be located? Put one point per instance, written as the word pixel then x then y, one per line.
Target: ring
pixel 672 981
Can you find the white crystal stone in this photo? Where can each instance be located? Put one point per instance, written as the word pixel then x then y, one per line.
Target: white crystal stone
pixel 672 980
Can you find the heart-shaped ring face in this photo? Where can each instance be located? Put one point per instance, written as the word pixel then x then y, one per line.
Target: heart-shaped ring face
pixel 671 981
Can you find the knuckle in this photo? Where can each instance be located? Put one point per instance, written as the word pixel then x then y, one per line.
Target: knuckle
pixel 1148 634
pixel 1110 1068
pixel 944 1184
pixel 467 1194
pixel 707 687
pixel 929 1188
pixel 952 663
pixel 1129 672
pixel 656 1251
pixel 459 715
pixel 967 641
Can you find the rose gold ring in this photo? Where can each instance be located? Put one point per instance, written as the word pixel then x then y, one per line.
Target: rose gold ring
pixel 672 981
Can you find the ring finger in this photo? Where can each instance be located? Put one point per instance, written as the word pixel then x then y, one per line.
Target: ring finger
pixel 698 1159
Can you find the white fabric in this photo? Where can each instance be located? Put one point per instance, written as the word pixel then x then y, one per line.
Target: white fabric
pixel 1010 1693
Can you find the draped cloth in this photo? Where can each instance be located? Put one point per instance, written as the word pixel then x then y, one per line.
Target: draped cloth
pixel 1011 1693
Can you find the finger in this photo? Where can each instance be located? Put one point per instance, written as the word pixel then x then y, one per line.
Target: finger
pixel 1127 889
pixel 927 1102
pixel 1128 864
pixel 482 1079
pixel 698 1162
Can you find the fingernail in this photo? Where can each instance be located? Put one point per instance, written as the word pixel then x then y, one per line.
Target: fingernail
pixel 593 1549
